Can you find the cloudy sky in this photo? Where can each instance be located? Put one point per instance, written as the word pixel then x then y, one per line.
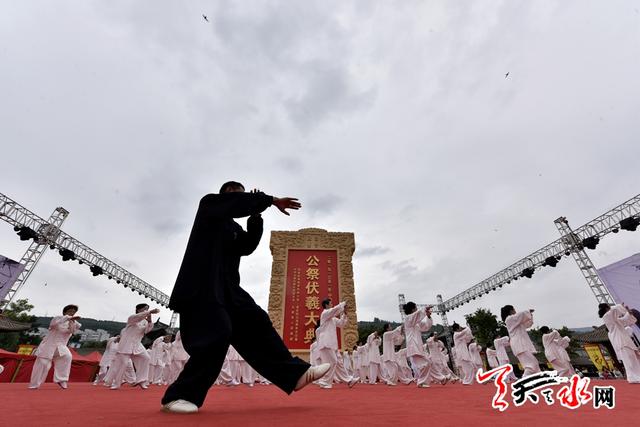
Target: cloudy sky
pixel 392 120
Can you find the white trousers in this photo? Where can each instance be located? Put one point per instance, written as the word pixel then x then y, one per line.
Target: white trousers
pixel 342 374
pixel 563 367
pixel 421 369
pixel 529 363
pixel 391 370
pixel 176 367
pixel 119 366
pixel 405 375
pixel 328 355
pixel 631 361
pixel 468 371
pixel 375 373
pixel 61 369
pixel 155 374
pixel 511 376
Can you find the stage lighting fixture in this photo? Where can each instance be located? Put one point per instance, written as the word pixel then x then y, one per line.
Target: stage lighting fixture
pixel 591 242
pixel 551 261
pixel 567 253
pixel 52 247
pixel 16 228
pixel 96 270
pixel 118 282
pixel 80 262
pixel 615 230
pixel 630 224
pixel 527 272
pixel 26 233
pixel 67 254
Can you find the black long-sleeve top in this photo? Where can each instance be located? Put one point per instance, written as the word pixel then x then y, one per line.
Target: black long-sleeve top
pixel 212 258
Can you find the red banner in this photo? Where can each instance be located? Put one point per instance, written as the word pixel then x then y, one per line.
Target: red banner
pixel 312 276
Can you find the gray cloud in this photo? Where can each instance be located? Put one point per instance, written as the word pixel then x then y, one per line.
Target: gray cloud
pixel 368 251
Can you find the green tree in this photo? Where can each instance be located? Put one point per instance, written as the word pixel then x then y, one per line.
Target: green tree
pixel 485 327
pixel 19 311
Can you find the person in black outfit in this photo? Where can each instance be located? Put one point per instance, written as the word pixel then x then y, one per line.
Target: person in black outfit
pixel 215 311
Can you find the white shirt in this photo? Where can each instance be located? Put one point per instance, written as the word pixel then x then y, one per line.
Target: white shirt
pixel 414 324
pixel 517 325
pixel 131 335
pixel 60 330
pixel 616 319
pixel 327 333
pixel 461 340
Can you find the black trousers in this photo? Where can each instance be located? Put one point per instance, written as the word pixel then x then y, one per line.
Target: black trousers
pixel 207 330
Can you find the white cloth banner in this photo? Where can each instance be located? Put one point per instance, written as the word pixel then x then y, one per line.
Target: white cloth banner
pixel 622 279
pixel 9 272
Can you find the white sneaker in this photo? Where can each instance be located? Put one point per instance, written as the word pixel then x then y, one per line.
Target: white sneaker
pixel 352 382
pixel 63 385
pixel 312 374
pixel 423 385
pixel 180 407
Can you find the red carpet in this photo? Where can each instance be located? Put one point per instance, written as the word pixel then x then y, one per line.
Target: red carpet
pixel 451 405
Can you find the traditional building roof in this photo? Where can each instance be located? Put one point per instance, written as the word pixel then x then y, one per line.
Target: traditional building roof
pixel 597 335
pixel 10 325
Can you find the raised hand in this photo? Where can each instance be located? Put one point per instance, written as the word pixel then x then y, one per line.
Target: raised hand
pixel 155 311
pixel 286 203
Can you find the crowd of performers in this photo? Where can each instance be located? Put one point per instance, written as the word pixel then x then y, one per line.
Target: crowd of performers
pixel 125 359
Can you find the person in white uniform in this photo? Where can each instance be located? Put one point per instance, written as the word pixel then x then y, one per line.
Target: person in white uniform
pixel 179 357
pixel 461 339
pixel 156 355
pixel 517 324
pixel 617 318
pixel 130 347
pixel 492 358
pixel 107 358
pixel 53 349
pixel 390 339
pixel 331 318
pixel 501 345
pixel 416 322
pixel 555 351
pixel 476 358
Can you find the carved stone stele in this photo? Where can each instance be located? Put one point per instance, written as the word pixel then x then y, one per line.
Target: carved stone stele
pixel 310 239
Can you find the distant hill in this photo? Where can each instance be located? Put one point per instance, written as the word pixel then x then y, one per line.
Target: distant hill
pixel 112 327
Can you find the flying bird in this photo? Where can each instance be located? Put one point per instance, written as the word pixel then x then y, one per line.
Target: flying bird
pixel 506 75
pixel 205 17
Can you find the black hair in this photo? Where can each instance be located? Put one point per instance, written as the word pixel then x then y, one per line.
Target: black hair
pixel 455 327
pixel 409 307
pixel 603 307
pixel 544 329
pixel 386 327
pixel 326 302
pixel 141 305
pixel 506 311
pixel 69 307
pixel 230 185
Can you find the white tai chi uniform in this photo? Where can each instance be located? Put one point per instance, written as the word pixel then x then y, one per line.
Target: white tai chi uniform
pixel 521 344
pixel 445 359
pixel 390 340
pixel 346 361
pixel 330 319
pixel 405 376
pixel 363 352
pixel 414 324
pixel 438 363
pixel 53 349
pixel 375 373
pixel 130 348
pixel 616 319
pixel 492 358
pixel 476 359
pixel 167 358
pixel 235 365
pixel 554 350
pixel 179 357
pixel 156 362
pixel 107 359
pixel 501 345
pixel 314 357
pixel 461 340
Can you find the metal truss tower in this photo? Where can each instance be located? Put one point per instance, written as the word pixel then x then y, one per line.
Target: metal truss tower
pixel 575 246
pixel 37 248
pixel 624 216
pixel 48 233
